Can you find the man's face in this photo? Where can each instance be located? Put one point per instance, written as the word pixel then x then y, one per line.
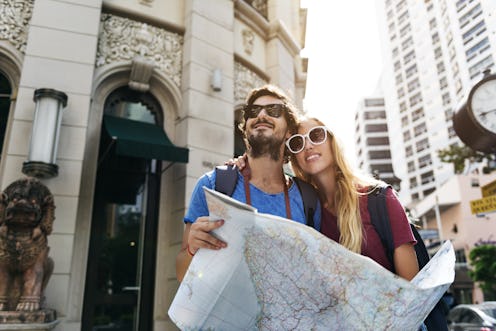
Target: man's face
pixel 266 134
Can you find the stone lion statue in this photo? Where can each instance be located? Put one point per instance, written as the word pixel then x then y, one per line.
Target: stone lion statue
pixel 26 219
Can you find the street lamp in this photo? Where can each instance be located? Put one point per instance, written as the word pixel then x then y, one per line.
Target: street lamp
pixel 45 133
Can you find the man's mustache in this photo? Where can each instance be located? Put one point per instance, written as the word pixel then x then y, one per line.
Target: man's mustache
pixel 262 121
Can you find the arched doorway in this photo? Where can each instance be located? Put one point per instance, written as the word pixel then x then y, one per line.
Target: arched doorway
pixel 119 291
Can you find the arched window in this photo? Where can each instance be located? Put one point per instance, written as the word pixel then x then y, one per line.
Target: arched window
pixel 5 93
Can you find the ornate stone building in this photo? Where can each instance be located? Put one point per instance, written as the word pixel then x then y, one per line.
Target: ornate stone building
pixel 153 89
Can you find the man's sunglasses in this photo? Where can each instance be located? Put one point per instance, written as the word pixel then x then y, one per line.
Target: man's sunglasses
pixel 273 110
pixel 316 135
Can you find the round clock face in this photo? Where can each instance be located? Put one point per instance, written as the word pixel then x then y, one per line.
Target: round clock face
pixel 484 105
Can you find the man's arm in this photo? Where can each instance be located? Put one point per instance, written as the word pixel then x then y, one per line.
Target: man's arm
pixel 196 235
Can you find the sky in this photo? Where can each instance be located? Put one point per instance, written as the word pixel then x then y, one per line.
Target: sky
pixel 343 47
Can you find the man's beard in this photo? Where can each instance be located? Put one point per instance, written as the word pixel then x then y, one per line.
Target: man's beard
pixel 261 145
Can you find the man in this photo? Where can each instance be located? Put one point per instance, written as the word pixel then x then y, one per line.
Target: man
pixel 269 119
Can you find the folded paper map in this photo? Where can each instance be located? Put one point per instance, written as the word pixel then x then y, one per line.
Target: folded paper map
pixel 276 274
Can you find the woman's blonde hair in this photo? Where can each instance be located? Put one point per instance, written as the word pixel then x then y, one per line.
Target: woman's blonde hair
pixel 349 187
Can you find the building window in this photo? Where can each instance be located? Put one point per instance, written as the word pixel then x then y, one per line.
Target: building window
pixel 477 48
pixel 477 68
pixel 409 57
pixel 435 38
pixel 422 145
pixel 399 79
pixel 411 166
pixel 478 28
pixel 417 114
pixel 419 129
pixel 404 30
pixel 440 67
pixel 432 23
pixel 443 83
pixel 5 93
pixel 411 70
pixel 473 13
pixel 407 43
pixel 446 99
pixel 438 53
pixel 412 85
pixel 425 161
pixel 408 151
pixel 415 99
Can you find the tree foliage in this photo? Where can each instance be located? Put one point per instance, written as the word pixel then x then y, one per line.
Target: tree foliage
pixel 483 261
pixel 458 154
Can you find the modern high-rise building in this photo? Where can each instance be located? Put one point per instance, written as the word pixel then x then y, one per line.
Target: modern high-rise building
pixel 372 140
pixel 434 51
pixel 135 99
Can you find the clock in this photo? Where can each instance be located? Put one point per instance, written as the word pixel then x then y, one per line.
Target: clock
pixel 475 120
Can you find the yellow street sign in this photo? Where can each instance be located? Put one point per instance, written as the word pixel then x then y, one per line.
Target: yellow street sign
pixel 489 189
pixel 484 205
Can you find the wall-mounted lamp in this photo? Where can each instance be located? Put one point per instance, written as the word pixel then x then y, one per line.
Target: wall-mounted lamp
pixel 45 134
pixel 216 82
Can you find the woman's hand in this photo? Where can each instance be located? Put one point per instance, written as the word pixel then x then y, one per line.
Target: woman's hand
pixel 239 162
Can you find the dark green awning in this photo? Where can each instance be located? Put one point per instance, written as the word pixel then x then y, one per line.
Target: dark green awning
pixel 143 140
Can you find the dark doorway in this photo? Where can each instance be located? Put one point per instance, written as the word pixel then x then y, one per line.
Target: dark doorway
pixel 119 291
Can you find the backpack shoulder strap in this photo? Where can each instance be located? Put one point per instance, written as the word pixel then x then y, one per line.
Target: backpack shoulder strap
pixel 379 217
pixel 310 199
pixel 226 178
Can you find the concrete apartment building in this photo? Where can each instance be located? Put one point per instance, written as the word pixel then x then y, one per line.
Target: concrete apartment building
pixel 372 140
pixel 153 89
pixel 434 52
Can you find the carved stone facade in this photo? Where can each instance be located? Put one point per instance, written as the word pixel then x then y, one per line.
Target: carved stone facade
pixel 244 81
pixel 259 5
pixel 14 19
pixel 122 39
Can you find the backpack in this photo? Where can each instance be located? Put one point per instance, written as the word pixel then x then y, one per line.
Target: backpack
pixel 226 178
pixel 436 320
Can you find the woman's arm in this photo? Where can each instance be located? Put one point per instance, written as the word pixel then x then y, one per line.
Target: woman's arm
pixel 405 261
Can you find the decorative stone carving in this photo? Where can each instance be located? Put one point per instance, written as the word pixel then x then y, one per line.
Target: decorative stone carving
pixel 248 41
pixel 141 72
pixel 14 19
pixel 244 81
pixel 26 219
pixel 122 39
pixel 259 5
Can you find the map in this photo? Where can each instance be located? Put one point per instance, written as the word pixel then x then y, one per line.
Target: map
pixel 276 274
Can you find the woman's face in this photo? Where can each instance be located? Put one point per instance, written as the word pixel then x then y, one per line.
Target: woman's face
pixel 314 159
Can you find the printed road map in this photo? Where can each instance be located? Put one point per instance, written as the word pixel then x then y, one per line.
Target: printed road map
pixel 277 274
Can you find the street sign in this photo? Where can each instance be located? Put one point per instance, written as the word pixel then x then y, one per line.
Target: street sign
pixel 484 205
pixel 489 189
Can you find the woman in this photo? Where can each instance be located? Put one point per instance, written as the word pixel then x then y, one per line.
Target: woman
pixel 317 157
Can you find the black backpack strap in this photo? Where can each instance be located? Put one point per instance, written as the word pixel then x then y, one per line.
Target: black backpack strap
pixel 420 249
pixel 310 199
pixel 379 217
pixel 226 178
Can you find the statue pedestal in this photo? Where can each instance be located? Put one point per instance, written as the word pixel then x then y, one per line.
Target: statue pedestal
pixel 40 320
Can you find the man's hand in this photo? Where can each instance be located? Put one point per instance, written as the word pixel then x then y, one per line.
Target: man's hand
pixel 195 236
pixel 200 236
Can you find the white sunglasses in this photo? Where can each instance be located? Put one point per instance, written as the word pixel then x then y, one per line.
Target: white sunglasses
pixel 316 135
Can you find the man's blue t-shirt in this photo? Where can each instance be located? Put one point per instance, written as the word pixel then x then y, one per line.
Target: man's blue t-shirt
pixel 274 204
